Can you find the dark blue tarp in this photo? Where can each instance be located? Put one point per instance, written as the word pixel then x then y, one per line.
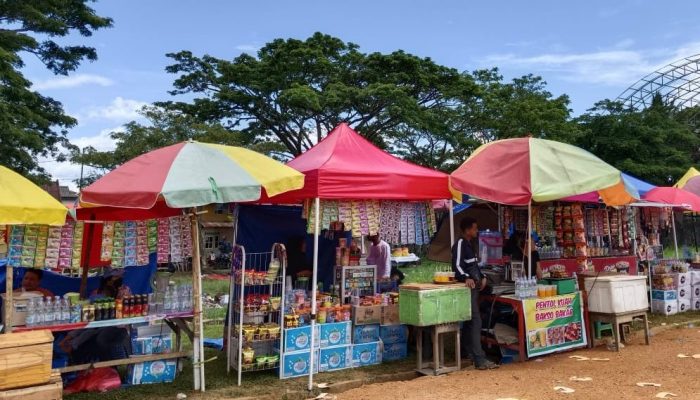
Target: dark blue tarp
pixel 136 278
pixel 261 226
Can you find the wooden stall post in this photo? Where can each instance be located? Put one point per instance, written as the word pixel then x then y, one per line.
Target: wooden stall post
pixel 197 342
pixel 9 272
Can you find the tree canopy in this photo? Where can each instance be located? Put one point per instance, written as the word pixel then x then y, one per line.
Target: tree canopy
pixel 33 125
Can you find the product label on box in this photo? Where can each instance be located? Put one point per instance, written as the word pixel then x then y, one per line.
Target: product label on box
pixel 394 334
pixel 334 358
pixel 554 324
pixel 664 294
pixel 365 334
pixel 335 334
pixel 153 372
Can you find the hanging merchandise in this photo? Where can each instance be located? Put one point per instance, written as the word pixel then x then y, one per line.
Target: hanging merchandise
pixel 29 246
pixel 41 243
pixel 152 235
pixel 78 232
pixel 53 244
pixel 142 242
pixel 186 235
pixel 118 243
pixel 175 239
pixel 389 221
pixel 163 255
pixel 16 241
pixel 107 241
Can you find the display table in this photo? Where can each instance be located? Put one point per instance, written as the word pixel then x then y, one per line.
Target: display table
pixel 409 259
pixel 545 325
pixel 176 321
pixel 618 319
pixel 599 263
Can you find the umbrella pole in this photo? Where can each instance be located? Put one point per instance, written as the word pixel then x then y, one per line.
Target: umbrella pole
pixel 314 279
pixel 198 344
pixel 452 224
pixel 9 271
pixel 675 238
pixel 529 239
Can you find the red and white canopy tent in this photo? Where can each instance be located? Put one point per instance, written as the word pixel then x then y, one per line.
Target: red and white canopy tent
pixel 346 166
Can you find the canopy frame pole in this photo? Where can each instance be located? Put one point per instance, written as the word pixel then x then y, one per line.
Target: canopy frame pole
pixel 198 345
pixel 9 275
pixel 314 284
pixel 227 330
pixel 529 239
pixel 86 258
pixel 675 238
pixel 452 223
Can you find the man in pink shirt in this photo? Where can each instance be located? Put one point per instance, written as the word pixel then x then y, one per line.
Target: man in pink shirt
pixel 380 255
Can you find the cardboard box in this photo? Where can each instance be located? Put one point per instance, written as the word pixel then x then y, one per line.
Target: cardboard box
pixel 394 351
pixel 152 345
pixel 665 307
pixel 664 295
pixel 684 293
pixel 296 364
pixel 335 334
pixel 390 315
pixel 694 278
pixel 365 334
pixel 695 292
pixel 25 359
pixel 696 304
pixel 160 371
pixel 366 354
pixel 394 334
pixel 298 339
pixel 334 358
pixel 664 282
pixel 366 315
pixel 684 305
pixel 681 279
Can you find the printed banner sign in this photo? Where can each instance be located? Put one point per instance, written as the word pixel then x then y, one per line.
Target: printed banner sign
pixel 554 324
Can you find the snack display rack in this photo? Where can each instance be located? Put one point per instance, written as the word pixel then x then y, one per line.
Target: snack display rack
pixel 255 309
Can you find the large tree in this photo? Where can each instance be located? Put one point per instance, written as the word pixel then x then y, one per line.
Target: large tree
pixel 652 144
pixel 32 125
pixel 295 91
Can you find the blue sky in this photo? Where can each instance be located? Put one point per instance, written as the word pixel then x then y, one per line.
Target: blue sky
pixel 590 50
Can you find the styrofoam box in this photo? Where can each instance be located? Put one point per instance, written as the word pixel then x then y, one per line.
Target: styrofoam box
pixel 681 279
pixel 695 292
pixel 694 278
pixel 684 293
pixel 664 295
pixel 665 307
pixel 617 294
pixel 684 305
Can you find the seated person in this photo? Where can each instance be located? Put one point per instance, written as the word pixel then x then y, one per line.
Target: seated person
pixel 31 282
pixel 99 344
pixel 112 285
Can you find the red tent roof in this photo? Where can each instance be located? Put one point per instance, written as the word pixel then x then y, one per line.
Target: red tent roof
pixel 345 165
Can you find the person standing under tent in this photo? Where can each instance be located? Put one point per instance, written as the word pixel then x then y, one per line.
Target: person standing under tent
pixel 380 255
pixel 465 265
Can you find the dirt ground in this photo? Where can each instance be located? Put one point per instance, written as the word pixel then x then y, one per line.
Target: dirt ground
pixel 535 380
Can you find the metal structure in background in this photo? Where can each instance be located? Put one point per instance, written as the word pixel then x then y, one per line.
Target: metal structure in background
pixel 678 83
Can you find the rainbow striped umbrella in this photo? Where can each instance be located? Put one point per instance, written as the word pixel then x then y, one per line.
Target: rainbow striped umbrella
pixel 519 171
pixel 190 174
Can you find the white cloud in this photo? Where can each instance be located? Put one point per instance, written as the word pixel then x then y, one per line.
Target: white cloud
pixel 120 109
pixel 248 48
pixel 620 66
pixel 72 81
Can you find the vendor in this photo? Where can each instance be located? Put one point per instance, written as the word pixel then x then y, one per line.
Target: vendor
pixel 380 255
pixel 536 269
pixel 465 265
pixel 31 282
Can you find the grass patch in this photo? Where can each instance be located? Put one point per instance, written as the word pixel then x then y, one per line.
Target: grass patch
pixel 679 319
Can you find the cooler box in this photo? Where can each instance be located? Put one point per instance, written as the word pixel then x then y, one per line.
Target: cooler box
pixel 430 304
pixel 617 294
pixel 20 302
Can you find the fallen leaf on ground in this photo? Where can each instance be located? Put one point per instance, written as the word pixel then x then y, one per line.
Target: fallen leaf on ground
pixel 580 358
pixel 644 384
pixel 599 359
pixel 322 385
pixel 581 379
pixel 563 389
pixel 666 395
pixel 696 355
pixel 683 356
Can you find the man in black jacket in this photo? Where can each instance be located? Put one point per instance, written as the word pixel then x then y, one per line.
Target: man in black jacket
pixel 465 265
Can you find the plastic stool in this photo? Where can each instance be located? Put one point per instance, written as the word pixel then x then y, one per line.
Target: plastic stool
pixel 600 327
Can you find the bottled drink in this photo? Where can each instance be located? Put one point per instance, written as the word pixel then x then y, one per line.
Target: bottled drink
pixel 31 313
pixel 168 301
pixel 112 310
pixel 98 310
pixel 65 310
pixel 137 307
pixel 48 311
pixel 39 311
pixel 127 307
pixel 144 305
pixel 118 309
pixel 57 313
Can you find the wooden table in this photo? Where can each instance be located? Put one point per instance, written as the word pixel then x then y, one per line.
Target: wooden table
pixel 616 320
pixel 178 322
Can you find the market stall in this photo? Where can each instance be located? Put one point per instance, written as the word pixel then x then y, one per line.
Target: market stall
pixel 183 177
pixel 527 173
pixel 351 185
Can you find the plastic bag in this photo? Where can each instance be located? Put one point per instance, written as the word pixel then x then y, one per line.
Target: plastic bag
pixel 95 380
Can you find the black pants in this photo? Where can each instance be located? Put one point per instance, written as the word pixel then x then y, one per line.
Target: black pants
pixel 101 347
pixel 471 333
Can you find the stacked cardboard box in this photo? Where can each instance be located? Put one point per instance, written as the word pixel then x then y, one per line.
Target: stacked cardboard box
pixel 695 290
pixel 673 293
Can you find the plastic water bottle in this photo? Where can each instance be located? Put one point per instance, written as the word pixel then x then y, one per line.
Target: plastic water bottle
pixel 532 292
pixel 39 311
pixel 57 310
pixel 168 300
pixel 65 310
pixel 48 311
pixel 31 313
pixel 518 291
